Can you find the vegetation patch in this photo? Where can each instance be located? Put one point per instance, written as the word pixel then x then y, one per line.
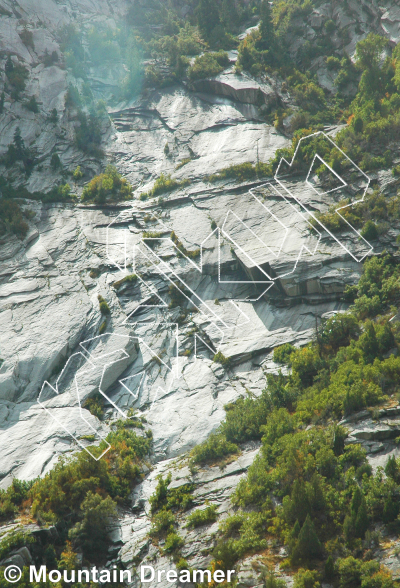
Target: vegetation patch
pixel 201 517
pixel 182 249
pixel 208 65
pixel 109 186
pixel 131 279
pixel 164 184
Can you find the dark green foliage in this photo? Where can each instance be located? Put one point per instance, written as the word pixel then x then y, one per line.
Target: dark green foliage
pixel 173 542
pixel 392 469
pixel 88 134
pixel 17 151
pixel 183 251
pixel 271 581
pixel 214 449
pixel 207 17
pixel 131 279
pixel 327 491
pixel 329 568
pixel 242 172
pixel 50 58
pixel 11 218
pixel 175 499
pixel 220 358
pixel 95 405
pixel 88 533
pixel 12 498
pixel 208 65
pixel 104 308
pixel 26 37
pixel 17 75
pixel 307 545
pixel 163 184
pixel 109 185
pixel 369 231
pixel 55 162
pixel 163 523
pixel 283 352
pixel 306 579
pixel 200 517
pixel 14 540
pixel 53 117
pixel 32 104
pixel 82 492
pixel 266 27
pixel 338 331
pixel 178 294
pixel 245 417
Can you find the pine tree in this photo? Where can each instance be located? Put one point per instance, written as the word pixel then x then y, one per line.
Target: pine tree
pixel 329 568
pixel 390 510
pixel 356 501
pixel 308 545
pixel 361 523
pixel 9 65
pixel 207 16
pixel 369 344
pixel 266 26
pixel 299 506
pixel 348 528
pixel 386 339
pixel 392 468
pixel 230 16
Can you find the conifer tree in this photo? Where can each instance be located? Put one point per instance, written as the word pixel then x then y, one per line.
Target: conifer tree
pixel 266 26
pixel 361 523
pixel 207 16
pixel 308 545
pixel 370 343
pixel 392 468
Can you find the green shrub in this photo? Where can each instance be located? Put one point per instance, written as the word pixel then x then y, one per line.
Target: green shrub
pixel 131 279
pixel 55 162
pixel 212 450
pixel 17 151
pixel 16 75
pixel 202 517
pixel 333 63
pixel 208 65
pixel 220 358
pixel 14 540
pixel 11 219
pixel 283 352
pixel 26 37
pixel 104 308
pixel 182 249
pixel 173 542
pixel 242 172
pixel 78 174
pixel 163 184
pixel 369 231
pixel 177 499
pixel 88 134
pixel 107 186
pixel 32 104
pixel 306 579
pixel 88 533
pixel 95 405
pixel 163 523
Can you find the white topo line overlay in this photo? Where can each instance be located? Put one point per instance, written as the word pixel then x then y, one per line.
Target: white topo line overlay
pixel 216 320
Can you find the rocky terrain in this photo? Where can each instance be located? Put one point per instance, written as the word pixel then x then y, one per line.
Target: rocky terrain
pixel 262 277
